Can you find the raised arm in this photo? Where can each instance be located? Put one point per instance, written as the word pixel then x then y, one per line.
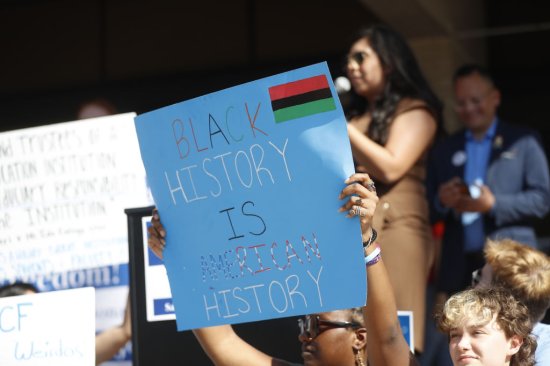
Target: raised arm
pixel 110 341
pixel 226 348
pixel 385 342
pixel 222 345
pixel 410 135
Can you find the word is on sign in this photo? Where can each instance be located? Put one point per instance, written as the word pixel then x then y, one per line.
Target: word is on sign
pixel 247 180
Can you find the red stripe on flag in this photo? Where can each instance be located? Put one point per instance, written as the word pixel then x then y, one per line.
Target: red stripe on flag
pixel 298 87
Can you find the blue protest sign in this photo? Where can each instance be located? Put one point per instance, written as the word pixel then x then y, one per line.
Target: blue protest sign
pixel 406 320
pixel 246 181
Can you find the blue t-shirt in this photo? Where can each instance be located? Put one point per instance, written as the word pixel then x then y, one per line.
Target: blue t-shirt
pixel 477 153
pixel 542 354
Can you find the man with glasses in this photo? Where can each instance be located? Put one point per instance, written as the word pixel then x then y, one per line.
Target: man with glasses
pixel 489 180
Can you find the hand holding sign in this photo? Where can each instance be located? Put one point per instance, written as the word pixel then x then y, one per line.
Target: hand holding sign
pixel 156 235
pixel 224 347
pixel 356 194
pixel 281 247
pixel 230 173
pixel 362 201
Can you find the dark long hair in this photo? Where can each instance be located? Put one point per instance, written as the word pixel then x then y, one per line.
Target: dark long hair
pixel 403 79
pixel 17 288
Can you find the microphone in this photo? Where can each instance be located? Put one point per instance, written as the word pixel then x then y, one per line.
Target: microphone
pixel 342 85
pixel 343 88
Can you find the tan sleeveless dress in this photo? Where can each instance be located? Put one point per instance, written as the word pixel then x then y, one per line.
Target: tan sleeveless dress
pixel 404 234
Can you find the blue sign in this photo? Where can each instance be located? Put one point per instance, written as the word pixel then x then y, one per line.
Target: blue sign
pixel 407 326
pixel 246 181
pixel 163 306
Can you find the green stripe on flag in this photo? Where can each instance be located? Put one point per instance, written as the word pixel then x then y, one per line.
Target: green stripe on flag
pixel 303 110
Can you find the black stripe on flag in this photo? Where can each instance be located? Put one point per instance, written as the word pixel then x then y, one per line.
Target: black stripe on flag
pixel 301 99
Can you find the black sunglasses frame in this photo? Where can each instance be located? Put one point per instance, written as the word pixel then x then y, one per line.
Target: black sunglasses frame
pixel 357 57
pixel 309 325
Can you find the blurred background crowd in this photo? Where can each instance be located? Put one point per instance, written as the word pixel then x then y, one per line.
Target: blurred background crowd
pixel 136 56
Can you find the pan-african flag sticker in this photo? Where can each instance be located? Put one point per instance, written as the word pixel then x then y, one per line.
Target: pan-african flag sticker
pixel 301 98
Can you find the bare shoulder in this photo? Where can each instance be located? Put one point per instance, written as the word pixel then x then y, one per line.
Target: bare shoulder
pixel 409 104
pixel 414 111
pixel 415 124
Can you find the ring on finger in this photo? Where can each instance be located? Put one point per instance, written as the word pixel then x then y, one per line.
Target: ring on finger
pixel 359 202
pixel 370 186
pixel 355 210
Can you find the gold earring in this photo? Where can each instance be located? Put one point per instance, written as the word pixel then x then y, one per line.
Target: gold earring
pixel 359 359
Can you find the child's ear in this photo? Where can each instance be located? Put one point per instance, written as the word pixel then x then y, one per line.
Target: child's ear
pixel 515 344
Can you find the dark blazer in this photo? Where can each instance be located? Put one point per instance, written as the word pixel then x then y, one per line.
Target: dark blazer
pixel 517 175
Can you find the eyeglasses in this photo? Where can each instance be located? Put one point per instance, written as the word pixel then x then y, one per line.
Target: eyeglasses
pixel 476 277
pixel 357 57
pixel 310 325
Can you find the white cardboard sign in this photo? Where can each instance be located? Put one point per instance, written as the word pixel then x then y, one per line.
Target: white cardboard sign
pixel 63 191
pixel 47 329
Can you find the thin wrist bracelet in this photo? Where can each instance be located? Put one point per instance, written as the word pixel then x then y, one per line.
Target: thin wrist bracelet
pixel 373 257
pixel 371 240
pixel 375 260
